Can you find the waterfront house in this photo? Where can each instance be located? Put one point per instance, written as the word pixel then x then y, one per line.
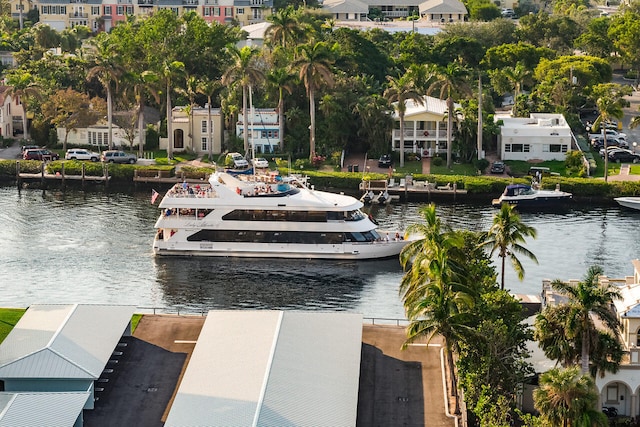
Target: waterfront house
pixel 264 130
pixel 622 389
pixel 11 114
pixel 541 136
pixel 97 136
pixel 346 10
pixel 425 127
pixel 191 132
pixel 443 11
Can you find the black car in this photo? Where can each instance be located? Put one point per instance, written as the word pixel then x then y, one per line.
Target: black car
pixel 384 161
pixel 497 167
pixel 624 156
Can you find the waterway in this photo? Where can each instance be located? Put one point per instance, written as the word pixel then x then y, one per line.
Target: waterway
pixel 95 247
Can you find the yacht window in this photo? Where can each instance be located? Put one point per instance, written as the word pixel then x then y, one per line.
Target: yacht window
pixel 335 216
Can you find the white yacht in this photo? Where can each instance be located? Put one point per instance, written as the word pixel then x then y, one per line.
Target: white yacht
pixel 267 216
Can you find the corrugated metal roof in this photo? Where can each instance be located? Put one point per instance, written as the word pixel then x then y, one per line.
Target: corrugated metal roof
pixel 63 341
pixel 272 368
pixel 41 409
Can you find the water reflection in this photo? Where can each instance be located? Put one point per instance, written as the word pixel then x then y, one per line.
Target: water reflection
pixel 209 283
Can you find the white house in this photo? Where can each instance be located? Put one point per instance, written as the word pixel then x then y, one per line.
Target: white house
pixel 542 136
pixel 11 113
pixel 622 389
pixel 264 130
pixel 425 127
pixel 96 136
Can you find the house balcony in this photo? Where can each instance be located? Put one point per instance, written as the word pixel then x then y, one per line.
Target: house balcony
pixel 78 15
pixel 190 3
pixel 421 135
pixel 125 1
pixel 146 3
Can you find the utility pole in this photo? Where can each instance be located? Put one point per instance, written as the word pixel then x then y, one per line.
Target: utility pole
pixel 21 20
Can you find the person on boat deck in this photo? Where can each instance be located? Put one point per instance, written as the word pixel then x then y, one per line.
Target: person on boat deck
pixel 185 185
pixel 386 238
pixel 398 236
pixel 167 212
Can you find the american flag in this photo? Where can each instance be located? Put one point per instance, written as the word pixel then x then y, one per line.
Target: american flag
pixel 154 196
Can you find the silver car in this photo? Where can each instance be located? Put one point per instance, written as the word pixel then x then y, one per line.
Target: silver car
pixel 116 156
pixel 81 154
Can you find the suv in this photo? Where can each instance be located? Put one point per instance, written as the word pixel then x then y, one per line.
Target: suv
pixel 40 154
pixel 239 162
pixel 623 156
pixel 384 161
pixel 497 167
pixel 115 156
pixel 81 154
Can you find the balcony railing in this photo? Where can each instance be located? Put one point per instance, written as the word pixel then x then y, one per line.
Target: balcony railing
pixel 421 135
pixel 78 15
pixel 145 3
pixel 125 1
pixel 190 2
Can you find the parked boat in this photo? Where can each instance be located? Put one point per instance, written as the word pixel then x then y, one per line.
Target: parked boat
pixel 526 196
pixel 267 216
pixel 629 202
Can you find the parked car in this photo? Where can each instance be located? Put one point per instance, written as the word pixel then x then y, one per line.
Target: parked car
pixel 623 156
pixel 29 147
pixel 260 162
pixel 40 154
pixel 611 133
pixel 598 142
pixel 239 162
pixel 497 167
pixel 81 154
pixel 384 161
pixel 116 156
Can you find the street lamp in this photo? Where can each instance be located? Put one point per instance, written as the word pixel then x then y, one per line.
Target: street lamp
pixel 635 144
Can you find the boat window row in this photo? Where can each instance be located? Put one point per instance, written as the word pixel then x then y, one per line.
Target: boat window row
pixel 187 213
pixel 291 216
pixel 303 237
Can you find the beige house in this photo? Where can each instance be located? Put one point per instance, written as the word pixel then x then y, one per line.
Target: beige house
pixel 191 132
pixel 11 114
pixel 443 11
pixel 346 10
pixel 425 127
pixel 622 389
pixel 96 136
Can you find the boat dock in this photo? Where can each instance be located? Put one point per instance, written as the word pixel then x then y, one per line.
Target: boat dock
pixel 43 176
pixel 407 189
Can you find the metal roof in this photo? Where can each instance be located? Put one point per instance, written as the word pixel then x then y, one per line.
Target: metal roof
pixel 272 368
pixel 41 409
pixel 63 341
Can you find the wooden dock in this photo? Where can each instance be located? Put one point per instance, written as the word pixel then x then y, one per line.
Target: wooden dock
pixel 43 176
pixel 408 188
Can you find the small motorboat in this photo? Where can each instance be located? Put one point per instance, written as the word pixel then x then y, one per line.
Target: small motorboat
pixel 629 202
pixel 526 196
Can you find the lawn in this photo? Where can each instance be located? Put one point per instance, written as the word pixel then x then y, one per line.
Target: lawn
pixel 8 319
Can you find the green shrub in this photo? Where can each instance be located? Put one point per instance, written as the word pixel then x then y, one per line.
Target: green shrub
pixel 481 164
pixel 437 161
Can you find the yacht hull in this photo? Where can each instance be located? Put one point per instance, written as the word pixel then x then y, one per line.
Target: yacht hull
pixel 357 251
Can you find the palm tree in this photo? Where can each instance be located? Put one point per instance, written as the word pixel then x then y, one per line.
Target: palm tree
pixel 609 109
pixel 517 75
pixel 568 398
pixel 399 91
pixel 284 28
pixel 190 91
pixel 435 302
pixel 168 70
pixel 449 81
pixel 107 69
pixel 314 61
pixel 24 86
pixel 139 85
pixel 588 299
pixel 283 80
pixel 505 237
pixel 244 72
pixel 209 88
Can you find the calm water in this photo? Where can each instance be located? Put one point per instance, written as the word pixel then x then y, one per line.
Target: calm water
pixel 95 247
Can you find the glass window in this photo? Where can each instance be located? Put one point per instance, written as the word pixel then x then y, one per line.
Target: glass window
pixel 203 144
pixel 216 11
pixel 107 10
pixel 95 10
pixel 507 148
pixel 120 10
pixel 228 11
pixel 203 126
pixel 517 148
pixel 554 148
pixel 240 11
